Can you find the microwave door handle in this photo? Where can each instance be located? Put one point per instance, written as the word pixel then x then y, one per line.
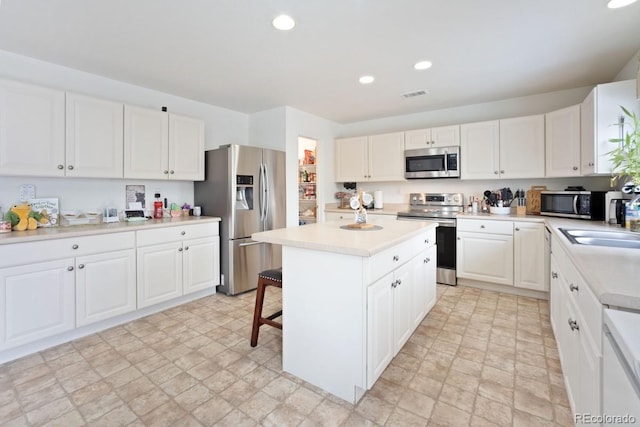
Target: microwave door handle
pixel 446 160
pixel 575 204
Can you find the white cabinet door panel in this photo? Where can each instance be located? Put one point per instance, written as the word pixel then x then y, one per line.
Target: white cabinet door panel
pixel 201 266
pixel 37 301
pixel 522 147
pixel 402 319
pixel 562 142
pixel 352 159
pixel 186 148
pixel 159 273
pixel 445 136
pixel 485 257
pixel 480 150
pixel 146 143
pixel 529 255
pixel 105 286
pixel 386 157
pixel 380 348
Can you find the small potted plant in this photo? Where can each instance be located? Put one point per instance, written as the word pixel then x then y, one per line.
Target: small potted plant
pixel 186 208
pixel 625 159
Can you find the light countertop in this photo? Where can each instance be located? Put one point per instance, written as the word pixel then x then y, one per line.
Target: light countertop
pixel 329 237
pixel 59 232
pixel 388 209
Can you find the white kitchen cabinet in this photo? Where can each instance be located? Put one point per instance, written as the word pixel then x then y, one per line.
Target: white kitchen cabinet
pixel 485 250
pixel 522 147
pixel 370 158
pixel 562 142
pixel 94 137
pixel 380 327
pixel 105 285
pixel 160 145
pixel 600 114
pixel 337 216
pixel 529 256
pixel 175 261
pixel 36 301
pixel 443 136
pixel 403 289
pixel 32 130
pixel 480 150
pixel 424 285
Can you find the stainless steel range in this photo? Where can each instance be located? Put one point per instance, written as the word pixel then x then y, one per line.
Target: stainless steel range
pixel 441 208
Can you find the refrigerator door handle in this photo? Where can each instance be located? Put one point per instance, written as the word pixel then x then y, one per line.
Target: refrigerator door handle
pixel 266 196
pixel 242 245
pixel 261 190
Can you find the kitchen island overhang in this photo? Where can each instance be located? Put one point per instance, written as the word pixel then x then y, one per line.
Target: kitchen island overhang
pixel 351 298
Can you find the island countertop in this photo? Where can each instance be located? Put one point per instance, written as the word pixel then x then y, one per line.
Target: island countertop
pixel 329 237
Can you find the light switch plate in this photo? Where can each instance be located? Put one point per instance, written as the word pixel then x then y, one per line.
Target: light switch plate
pixel 27 192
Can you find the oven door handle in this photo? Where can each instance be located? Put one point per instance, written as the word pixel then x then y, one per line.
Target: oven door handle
pixel 442 222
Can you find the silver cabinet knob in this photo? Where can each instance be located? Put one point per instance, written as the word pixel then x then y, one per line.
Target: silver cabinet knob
pixel 573 287
pixel 60 167
pixel 426 241
pixel 399 282
pixel 482 226
pixel 394 284
pixel 427 260
pixel 575 168
pixel 70 268
pixel 458 238
pixel 74 247
pixel 70 167
pixel 183 233
pixel 171 172
pixel 81 266
pixel 165 172
pixel 186 248
pixel 179 249
pixel 396 258
pixel 554 275
pixel 495 172
pixel 517 229
pixel 501 171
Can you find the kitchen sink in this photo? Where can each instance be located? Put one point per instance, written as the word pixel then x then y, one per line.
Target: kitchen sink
pixel 614 239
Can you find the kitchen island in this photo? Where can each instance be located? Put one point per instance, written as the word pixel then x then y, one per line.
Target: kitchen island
pixel 352 298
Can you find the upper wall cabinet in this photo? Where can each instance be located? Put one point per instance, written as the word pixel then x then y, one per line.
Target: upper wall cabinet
pixel 562 142
pixel 31 130
pixel 600 113
pixel 509 148
pixel 94 139
pixel 159 145
pixel 370 158
pixel 444 136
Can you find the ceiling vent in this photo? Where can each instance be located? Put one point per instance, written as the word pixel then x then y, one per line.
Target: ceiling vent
pixel 414 94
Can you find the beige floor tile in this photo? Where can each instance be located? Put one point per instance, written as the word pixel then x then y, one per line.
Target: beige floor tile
pixel 532 372
pixel 259 377
pixel 100 406
pixel 193 397
pixel 521 418
pixel 168 414
pixel 496 392
pixel 457 397
pixel 463 381
pixel 374 409
pixel 50 411
pixel 280 388
pixel 528 402
pixel 329 413
pixel 239 392
pixel 236 418
pixel 304 400
pixel 401 417
pixel 449 416
pixel 258 405
pixel 417 403
pixel 212 411
pixel 426 385
pixel 178 384
pixel 9 411
pixel 493 411
pixel 146 402
pixel 70 419
pixel 120 416
pixel 123 377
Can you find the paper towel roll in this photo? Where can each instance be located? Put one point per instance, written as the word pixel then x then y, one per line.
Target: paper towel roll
pixel 377 199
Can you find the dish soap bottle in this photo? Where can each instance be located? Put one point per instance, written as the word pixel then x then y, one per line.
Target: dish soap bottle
pixel 157 207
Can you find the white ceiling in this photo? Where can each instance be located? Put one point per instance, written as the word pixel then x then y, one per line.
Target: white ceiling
pixel 226 53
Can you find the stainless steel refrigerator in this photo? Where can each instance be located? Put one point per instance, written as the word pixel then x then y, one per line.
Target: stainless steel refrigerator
pixel 245 186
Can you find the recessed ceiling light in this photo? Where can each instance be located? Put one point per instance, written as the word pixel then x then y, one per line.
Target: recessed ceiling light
pixel 614 4
pixel 284 22
pixel 422 65
pixel 365 80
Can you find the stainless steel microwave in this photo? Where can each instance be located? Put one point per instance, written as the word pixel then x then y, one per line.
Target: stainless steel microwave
pixel 440 162
pixel 573 204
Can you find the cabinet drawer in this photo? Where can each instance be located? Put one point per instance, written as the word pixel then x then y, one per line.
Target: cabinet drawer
pixel 591 311
pixel 392 258
pixel 177 233
pixel 485 226
pixel 46 250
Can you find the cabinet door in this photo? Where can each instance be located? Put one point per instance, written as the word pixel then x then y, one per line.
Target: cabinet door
pixel 555 297
pixel 146 143
pixel 105 286
pixel 569 341
pixel 159 273
pixel 589 373
pixel 480 150
pixel 94 141
pixel 588 134
pixel 529 256
pixel 522 147
pixel 186 148
pixel 417 139
pixel 201 264
pixel 485 257
pixel 424 285
pixel 386 157
pixel 31 130
pixel 402 314
pixel 36 301
pixel 352 159
pixel 562 142
pixel 380 348
pixel 445 136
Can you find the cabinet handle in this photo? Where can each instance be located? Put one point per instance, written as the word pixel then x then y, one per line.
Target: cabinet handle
pixel 575 168
pixel 573 287
pixel 165 172
pixel 393 284
pixel 179 249
pixel 495 172
pixel 183 233
pixel 398 282
pixel 171 172
pixel 74 247
pixel 501 171
pixel 396 258
pixel 482 226
pixel 70 268
pixel 591 163
pixel 517 229
pixel 573 324
pixel 81 266
pixel 426 241
pixel 186 248
pixel 70 167
pixel 427 260
pixel 458 238
pixel 554 275
pixel 60 167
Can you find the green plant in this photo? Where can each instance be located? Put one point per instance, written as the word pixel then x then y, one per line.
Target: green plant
pixel 626 157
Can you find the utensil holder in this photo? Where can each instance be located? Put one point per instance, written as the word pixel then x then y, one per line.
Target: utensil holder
pixel 521 210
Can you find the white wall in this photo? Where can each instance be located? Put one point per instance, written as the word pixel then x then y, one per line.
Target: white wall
pixel 629 71
pixel 222 127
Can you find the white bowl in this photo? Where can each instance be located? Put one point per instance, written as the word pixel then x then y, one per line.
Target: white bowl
pixel 506 210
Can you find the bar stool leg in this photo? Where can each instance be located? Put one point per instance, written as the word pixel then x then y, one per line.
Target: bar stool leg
pixel 257 313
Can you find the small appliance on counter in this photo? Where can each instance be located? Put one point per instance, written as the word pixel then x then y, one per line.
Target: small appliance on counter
pixel 570 203
pixel 614 207
pixel 110 215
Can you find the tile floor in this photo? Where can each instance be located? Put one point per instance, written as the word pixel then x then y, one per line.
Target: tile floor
pixel 479 358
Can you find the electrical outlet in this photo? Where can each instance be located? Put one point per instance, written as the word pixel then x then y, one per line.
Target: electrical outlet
pixel 27 192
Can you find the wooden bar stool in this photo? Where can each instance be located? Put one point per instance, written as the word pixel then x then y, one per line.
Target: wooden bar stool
pixel 265 278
